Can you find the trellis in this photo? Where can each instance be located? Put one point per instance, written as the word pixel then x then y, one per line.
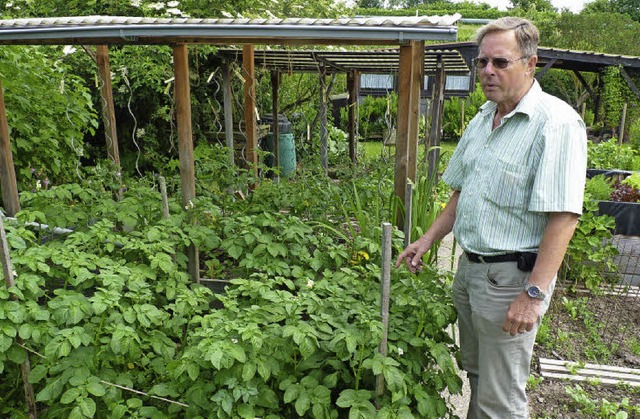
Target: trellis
pixel 410 33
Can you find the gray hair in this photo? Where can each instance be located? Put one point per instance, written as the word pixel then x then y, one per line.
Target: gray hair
pixel 527 35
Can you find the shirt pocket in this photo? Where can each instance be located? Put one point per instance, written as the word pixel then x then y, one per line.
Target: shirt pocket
pixel 510 188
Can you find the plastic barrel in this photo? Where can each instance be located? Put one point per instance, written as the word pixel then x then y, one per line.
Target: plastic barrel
pixel 287 153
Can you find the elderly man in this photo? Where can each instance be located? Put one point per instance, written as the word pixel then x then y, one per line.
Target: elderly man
pixel 518 177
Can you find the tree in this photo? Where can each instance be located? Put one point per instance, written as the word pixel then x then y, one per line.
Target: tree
pixel 628 7
pixel 533 5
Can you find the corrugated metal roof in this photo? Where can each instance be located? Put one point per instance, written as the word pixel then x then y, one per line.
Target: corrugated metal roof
pixel 334 61
pixel 131 30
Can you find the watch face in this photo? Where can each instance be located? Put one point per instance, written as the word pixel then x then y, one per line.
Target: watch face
pixel 534 292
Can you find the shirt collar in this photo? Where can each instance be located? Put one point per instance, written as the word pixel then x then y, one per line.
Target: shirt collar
pixel 526 105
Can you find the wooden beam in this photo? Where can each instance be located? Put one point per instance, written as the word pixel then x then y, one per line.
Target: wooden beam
pixel 584 83
pixel 417 80
pixel 353 78
pixel 108 108
pixel 228 110
pixel 435 133
pixel 402 133
pixel 8 182
pixel 250 119
pixel 544 69
pixel 275 87
pixel 324 131
pixel 629 81
pixel 185 141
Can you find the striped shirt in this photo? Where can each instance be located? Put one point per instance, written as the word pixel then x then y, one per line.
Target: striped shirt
pixel 510 178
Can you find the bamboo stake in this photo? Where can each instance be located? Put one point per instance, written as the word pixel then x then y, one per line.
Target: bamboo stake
pixel 25 368
pixel 384 300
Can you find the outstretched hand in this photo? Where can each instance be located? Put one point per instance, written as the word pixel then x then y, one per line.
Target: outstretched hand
pixel 412 255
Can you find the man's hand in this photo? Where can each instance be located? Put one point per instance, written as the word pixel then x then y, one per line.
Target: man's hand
pixel 522 315
pixel 412 255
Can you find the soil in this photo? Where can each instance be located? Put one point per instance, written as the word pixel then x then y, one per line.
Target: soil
pixel 597 329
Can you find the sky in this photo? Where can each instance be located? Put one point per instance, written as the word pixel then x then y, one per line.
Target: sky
pixel 573 5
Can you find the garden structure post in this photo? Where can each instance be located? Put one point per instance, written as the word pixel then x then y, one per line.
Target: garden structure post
pixel 185 142
pixel 417 81
pixel 25 367
pixel 404 134
pixel 353 78
pixel 228 111
pixel 322 116
pixel 108 108
pixel 275 87
pixel 436 120
pixel 408 211
pixel 8 182
pixel 623 121
pixel 250 119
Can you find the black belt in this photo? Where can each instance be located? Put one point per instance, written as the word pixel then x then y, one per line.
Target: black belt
pixel 508 257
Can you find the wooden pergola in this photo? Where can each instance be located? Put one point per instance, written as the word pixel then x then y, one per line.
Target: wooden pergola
pixel 408 33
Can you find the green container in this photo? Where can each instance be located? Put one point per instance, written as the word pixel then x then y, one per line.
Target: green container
pixel 287 153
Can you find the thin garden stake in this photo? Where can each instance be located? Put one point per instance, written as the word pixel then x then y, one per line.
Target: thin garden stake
pixel 25 368
pixel 408 211
pixel 384 300
pixel 165 200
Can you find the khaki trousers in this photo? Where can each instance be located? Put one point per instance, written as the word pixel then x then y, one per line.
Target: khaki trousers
pixel 497 364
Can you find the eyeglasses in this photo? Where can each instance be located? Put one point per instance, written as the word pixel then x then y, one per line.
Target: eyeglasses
pixel 499 62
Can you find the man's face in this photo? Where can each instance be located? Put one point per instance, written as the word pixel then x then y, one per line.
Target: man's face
pixel 504 85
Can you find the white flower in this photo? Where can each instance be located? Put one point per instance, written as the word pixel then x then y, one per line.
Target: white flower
pixel 9 5
pixel 38 185
pixel 135 3
pixel 400 351
pixel 174 11
pixel 173 3
pixel 310 283
pixel 156 6
pixel 140 132
pixel 234 340
pixel 14 273
pixel 68 49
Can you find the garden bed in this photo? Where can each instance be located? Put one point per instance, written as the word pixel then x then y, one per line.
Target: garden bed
pixel 588 328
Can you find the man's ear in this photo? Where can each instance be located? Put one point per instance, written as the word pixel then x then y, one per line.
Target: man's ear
pixel 531 64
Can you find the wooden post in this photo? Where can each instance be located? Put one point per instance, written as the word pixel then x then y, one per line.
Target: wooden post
pixel 462 127
pixel 228 110
pixel 353 77
pixel 25 367
pixel 250 107
pixel 402 132
pixel 417 80
pixel 108 108
pixel 408 212
pixel 8 182
pixel 623 121
pixel 275 87
pixel 165 199
pixel 436 120
pixel 185 141
pixel 384 298
pixel 324 133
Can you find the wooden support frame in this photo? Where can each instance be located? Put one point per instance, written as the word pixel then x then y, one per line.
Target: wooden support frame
pixel 250 118
pixel 108 108
pixel 437 108
pixel 324 132
pixel 408 113
pixel 185 141
pixel 275 129
pixel 228 110
pixel 8 180
pixel 353 82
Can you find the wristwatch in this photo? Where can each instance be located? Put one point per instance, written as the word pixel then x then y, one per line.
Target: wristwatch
pixel 534 291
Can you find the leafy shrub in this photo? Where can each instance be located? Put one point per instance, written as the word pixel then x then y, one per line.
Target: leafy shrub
pixel 610 155
pixel 599 188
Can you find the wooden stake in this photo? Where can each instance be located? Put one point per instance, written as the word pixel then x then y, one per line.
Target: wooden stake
pixel 25 368
pixel 408 212
pixel 165 199
pixel 8 182
pixel 108 108
pixel 384 300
